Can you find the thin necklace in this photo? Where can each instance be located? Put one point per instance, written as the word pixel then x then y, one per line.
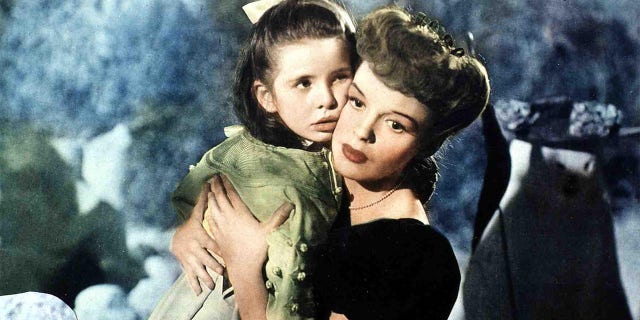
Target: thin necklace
pixel 386 195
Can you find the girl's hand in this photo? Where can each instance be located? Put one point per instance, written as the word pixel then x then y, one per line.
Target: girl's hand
pixel 241 238
pixel 192 246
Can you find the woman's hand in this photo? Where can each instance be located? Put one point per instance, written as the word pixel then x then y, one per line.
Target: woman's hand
pixel 241 238
pixel 337 316
pixel 192 246
pixel 243 244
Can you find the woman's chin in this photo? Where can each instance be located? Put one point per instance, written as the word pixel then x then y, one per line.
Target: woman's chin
pixel 354 172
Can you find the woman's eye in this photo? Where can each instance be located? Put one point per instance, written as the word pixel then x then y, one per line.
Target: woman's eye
pixel 396 126
pixel 356 103
pixel 303 84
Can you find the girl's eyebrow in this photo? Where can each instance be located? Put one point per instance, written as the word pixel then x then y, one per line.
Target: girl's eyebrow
pixel 299 78
pixel 304 75
pixel 344 69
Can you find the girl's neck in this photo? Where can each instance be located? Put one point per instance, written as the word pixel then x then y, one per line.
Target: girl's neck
pixel 314 146
pixel 366 201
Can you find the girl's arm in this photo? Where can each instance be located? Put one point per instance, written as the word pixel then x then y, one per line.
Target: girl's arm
pixel 242 241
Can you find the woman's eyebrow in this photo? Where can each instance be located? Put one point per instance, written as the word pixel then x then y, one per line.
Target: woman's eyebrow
pixel 415 123
pixel 355 85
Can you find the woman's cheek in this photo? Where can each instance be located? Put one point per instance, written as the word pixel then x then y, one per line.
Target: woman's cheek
pixel 345 122
pixel 400 154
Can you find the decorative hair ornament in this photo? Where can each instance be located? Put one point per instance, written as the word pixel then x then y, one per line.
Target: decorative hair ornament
pixel 458 52
pixel 420 19
pixel 256 9
pixel 448 40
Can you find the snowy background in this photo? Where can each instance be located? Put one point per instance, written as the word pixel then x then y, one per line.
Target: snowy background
pixel 105 103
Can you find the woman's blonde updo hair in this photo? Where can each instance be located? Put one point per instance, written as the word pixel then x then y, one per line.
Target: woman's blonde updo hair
pixel 411 54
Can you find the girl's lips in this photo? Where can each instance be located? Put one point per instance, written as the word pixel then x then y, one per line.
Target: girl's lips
pixel 324 126
pixel 352 154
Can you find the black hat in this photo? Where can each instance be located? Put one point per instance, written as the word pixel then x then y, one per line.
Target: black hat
pixel 558 121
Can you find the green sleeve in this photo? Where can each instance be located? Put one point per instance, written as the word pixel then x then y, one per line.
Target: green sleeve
pixel 185 196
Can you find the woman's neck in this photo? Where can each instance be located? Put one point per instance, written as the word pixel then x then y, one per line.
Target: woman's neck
pixel 383 199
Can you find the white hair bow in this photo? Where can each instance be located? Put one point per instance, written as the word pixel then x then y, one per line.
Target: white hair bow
pixel 256 9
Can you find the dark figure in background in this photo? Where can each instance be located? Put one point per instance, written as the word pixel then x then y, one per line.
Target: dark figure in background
pixel 496 176
pixel 550 252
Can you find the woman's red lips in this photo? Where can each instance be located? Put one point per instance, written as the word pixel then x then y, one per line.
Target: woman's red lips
pixel 352 154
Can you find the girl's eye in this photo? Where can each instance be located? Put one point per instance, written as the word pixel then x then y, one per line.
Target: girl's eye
pixel 356 103
pixel 303 84
pixel 396 126
pixel 342 77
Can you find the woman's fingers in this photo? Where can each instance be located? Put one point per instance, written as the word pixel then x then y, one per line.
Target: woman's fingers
pixel 239 207
pixel 202 275
pixel 232 194
pixel 211 245
pixel 201 204
pixel 220 193
pixel 210 261
pixel 279 216
pixel 213 213
pixel 194 283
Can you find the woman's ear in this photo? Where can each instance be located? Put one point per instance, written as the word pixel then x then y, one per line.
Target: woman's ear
pixel 264 97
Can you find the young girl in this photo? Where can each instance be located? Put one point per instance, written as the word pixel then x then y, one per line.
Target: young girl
pixel 291 84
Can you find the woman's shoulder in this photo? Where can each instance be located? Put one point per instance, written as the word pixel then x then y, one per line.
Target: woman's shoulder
pixel 400 240
pixel 400 245
pixel 403 231
pixel 390 268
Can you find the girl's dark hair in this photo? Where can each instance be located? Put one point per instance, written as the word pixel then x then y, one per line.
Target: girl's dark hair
pixel 288 21
pixel 412 55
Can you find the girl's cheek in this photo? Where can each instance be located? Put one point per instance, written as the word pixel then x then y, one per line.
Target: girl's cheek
pixel 344 87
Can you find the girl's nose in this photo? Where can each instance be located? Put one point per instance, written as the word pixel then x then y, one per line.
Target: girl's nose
pixel 326 98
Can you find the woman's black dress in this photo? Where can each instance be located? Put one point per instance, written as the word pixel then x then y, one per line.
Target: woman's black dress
pixel 388 269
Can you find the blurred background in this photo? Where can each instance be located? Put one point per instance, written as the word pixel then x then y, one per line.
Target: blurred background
pixel 105 103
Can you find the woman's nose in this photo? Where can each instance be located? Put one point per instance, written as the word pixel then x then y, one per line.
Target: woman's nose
pixel 326 98
pixel 364 131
